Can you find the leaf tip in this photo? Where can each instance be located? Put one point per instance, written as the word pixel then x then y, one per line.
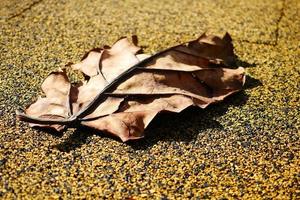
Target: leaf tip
pixel 227 37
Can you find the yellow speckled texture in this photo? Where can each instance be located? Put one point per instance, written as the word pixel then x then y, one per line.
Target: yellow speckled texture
pixel 246 147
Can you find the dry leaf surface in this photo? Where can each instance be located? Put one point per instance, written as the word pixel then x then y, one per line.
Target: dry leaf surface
pixel 125 89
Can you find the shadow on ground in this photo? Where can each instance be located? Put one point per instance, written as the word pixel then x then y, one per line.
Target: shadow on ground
pixel 170 126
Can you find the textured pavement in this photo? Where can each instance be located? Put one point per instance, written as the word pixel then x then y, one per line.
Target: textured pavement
pixel 246 147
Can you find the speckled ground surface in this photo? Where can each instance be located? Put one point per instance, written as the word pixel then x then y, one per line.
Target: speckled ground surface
pixel 244 148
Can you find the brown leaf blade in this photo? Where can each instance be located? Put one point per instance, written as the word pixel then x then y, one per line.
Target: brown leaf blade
pixel 55 105
pixel 125 90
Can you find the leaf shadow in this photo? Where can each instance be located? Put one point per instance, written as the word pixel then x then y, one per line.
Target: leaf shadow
pixel 245 64
pixel 169 126
pixel 252 82
pixel 75 140
pixel 50 131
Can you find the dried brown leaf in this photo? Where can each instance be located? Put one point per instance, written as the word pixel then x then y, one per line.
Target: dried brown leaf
pixel 125 90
